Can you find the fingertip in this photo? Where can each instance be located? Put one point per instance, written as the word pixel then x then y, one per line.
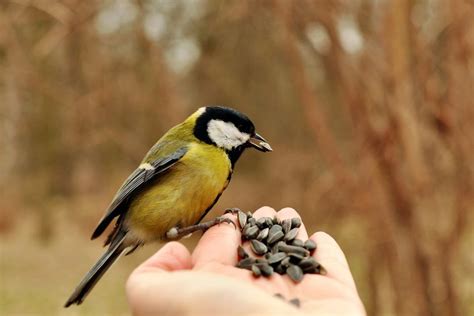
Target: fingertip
pixel 329 246
pixel 332 258
pixel 266 207
pixel 265 211
pixel 288 212
pixel 321 234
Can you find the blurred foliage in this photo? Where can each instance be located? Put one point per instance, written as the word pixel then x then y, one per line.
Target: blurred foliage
pixel 368 105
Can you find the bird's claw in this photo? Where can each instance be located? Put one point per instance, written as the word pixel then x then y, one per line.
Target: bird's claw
pixel 221 219
pixel 232 210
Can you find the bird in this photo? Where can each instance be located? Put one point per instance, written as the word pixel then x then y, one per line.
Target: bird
pixel 177 183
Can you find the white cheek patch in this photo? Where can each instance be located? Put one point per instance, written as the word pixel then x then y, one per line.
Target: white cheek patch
pixel 225 134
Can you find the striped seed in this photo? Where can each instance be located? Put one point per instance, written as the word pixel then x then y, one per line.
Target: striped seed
pixel 310 245
pixel 295 273
pixel 242 217
pixel 291 234
pixel 258 247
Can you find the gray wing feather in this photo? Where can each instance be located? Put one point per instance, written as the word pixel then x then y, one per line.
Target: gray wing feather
pixel 137 179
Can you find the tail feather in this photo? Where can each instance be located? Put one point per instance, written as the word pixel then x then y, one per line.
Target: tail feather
pixel 96 273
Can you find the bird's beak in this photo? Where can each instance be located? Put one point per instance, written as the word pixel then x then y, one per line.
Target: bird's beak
pixel 259 143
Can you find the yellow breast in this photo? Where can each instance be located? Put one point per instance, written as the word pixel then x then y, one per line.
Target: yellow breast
pixel 181 196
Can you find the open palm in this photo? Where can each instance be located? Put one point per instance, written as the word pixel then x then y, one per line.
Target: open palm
pixel 206 282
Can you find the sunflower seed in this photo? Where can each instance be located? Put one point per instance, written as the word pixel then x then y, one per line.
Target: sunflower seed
pixel 256 270
pixel 310 245
pixel 277 257
pixel 266 269
pixel 260 260
pixel 242 217
pixel 295 222
pixel 295 273
pixel 280 269
pixel 295 257
pixel 276 236
pixel 242 253
pixel 263 234
pixel 246 226
pixel 295 301
pixel 285 262
pixel 297 242
pixel 276 221
pixel 293 250
pixel 252 220
pixel 318 269
pixel 291 234
pixel 268 221
pixel 276 228
pixel 309 265
pixel 258 247
pixel 250 232
pixel 246 263
pixel 321 270
pixel 267 255
pixel 286 224
pixel 261 222
pixel 275 248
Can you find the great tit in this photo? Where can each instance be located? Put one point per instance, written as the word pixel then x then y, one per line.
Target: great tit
pixel 181 177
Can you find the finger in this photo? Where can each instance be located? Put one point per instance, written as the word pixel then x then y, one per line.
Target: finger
pixel 218 244
pixel 289 212
pixel 331 257
pixel 264 211
pixel 171 257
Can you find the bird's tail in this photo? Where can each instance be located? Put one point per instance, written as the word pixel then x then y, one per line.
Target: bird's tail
pixel 96 272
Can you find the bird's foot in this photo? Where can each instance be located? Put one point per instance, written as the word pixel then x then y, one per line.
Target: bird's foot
pixel 176 233
pixel 232 210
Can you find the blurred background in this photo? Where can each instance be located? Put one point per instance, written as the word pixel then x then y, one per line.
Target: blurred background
pixel 367 104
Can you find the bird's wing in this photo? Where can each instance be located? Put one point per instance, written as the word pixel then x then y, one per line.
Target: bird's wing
pixel 135 181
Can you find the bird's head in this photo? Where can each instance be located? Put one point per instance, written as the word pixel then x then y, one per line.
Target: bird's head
pixel 228 129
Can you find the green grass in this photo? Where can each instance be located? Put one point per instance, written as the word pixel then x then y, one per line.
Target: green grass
pixel 36 279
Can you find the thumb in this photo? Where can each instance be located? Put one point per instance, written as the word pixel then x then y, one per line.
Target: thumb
pixel 171 257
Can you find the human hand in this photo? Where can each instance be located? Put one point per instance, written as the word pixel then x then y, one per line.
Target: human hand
pixel 206 282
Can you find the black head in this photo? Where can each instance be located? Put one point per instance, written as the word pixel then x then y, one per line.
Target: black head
pixel 228 129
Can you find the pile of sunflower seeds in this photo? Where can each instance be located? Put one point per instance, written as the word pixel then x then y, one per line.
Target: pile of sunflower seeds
pixel 275 244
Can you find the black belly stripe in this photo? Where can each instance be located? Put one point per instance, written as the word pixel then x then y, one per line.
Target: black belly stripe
pixel 216 199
